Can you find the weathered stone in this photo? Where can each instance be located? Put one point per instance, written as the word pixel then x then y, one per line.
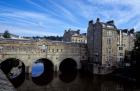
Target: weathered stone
pixel 28 51
pixel 5 84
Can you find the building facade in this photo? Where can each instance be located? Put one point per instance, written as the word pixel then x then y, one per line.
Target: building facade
pixel 102 49
pixel 74 36
pixel 29 51
pixel 107 46
pixel 126 39
pixel 102 46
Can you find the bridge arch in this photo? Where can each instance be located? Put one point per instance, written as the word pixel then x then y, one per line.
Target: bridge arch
pixel 47 64
pixel 11 62
pixel 4 59
pixel 67 64
pixel 14 69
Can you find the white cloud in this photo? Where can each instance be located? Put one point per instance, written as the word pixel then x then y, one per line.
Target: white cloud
pixel 73 14
pixel 25 31
pixel 121 11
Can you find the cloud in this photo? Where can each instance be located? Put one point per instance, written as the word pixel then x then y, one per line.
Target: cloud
pixel 35 21
pixel 53 17
pixel 122 12
pixel 25 31
pixel 56 10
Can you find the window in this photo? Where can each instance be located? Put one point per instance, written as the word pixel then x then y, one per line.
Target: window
pixel 123 45
pixel 109 41
pixel 121 59
pixel 52 50
pixel 109 33
pixel 120 48
pixel 109 52
pixel 121 54
pixel 57 50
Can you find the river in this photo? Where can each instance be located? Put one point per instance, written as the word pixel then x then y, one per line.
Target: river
pixel 73 81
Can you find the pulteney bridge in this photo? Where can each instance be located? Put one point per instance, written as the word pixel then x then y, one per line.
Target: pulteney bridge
pixel 52 52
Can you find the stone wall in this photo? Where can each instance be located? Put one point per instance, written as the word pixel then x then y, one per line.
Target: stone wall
pixel 5 84
pixel 29 51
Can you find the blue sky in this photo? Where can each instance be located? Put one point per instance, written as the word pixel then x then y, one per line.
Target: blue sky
pixel 52 17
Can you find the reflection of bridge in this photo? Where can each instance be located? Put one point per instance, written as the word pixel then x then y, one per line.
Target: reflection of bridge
pixel 28 51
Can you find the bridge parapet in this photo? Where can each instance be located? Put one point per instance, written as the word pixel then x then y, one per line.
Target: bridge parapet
pixel 30 50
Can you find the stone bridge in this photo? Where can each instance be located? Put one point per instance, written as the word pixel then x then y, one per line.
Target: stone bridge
pixel 29 51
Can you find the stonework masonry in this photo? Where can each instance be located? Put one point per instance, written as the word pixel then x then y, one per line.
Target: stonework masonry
pixel 102 49
pixel 5 84
pixel 74 36
pixel 125 44
pixel 29 51
pixel 104 46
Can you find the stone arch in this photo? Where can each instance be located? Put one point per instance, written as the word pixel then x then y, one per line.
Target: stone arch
pixel 47 76
pixel 48 64
pixel 12 59
pixel 14 69
pixel 68 64
pixel 4 59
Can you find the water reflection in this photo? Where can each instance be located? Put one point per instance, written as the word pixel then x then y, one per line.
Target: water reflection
pixel 68 77
pixel 43 79
pixel 77 82
pixel 37 69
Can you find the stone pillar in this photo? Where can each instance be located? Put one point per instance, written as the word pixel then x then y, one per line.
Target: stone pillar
pixel 78 65
pixel 27 69
pixel 27 72
pixel 56 67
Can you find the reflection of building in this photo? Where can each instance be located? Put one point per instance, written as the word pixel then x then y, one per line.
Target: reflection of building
pixel 74 36
pixel 108 47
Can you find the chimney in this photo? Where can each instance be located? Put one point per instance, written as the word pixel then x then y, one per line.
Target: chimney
pixel 98 20
pixel 78 31
pixel 90 22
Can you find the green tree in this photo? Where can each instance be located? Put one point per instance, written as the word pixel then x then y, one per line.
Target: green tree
pixel 6 34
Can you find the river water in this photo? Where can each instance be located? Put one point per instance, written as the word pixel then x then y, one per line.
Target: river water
pixel 73 81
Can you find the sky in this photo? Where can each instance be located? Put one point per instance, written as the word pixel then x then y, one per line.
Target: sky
pixel 52 17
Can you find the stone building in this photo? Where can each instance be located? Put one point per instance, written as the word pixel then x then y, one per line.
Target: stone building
pixel 30 51
pixel 100 51
pixel 102 46
pixel 125 45
pixel 108 47
pixel 74 36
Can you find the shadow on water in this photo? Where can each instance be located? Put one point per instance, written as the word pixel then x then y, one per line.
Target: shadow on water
pixel 69 76
pixel 47 75
pixel 68 70
pixel 44 79
pixel 67 65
